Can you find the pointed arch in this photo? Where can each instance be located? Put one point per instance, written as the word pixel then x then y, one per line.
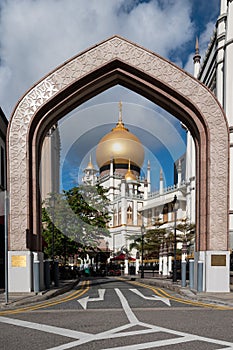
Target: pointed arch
pixel 118 61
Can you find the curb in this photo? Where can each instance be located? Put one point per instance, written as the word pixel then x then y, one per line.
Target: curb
pixel 41 296
pixel 183 291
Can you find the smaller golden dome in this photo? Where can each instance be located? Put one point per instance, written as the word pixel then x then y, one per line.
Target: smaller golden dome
pixel 129 176
pixel 90 166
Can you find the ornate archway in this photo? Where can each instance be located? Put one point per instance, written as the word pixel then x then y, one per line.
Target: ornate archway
pixel 117 61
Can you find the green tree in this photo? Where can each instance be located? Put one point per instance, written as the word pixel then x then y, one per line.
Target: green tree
pixel 153 238
pixel 79 216
pixel 91 206
pixel 188 234
pixel 56 244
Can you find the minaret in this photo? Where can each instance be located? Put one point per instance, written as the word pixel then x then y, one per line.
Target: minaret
pixel 90 172
pixel 148 177
pixel 179 174
pixel 196 60
pixel 161 185
pixel 111 182
pixel 123 203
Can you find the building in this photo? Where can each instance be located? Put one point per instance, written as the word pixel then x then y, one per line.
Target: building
pixel 216 72
pixel 120 156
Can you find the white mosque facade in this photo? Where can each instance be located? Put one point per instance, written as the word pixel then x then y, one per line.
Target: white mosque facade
pixel 120 156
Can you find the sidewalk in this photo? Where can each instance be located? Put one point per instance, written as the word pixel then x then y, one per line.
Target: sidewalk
pixel 19 299
pixel 213 298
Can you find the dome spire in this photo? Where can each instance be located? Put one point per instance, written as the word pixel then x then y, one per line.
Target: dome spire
pixel 120 112
pixel 120 124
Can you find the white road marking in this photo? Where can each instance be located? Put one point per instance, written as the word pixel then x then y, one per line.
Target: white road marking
pixel 43 327
pixel 83 302
pixel 119 332
pixel 154 344
pixel 129 313
pixel 154 297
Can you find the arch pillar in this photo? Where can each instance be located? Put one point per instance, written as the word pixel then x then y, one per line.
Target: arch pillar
pixel 118 61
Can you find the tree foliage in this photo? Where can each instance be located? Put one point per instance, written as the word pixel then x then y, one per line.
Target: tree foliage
pixel 153 238
pixel 79 216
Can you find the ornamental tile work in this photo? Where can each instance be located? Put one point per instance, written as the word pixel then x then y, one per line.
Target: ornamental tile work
pixel 153 65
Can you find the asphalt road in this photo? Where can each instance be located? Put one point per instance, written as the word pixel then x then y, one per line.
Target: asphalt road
pixel 108 313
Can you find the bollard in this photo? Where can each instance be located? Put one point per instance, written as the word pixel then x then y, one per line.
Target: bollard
pixel 200 276
pixel 56 274
pixel 126 271
pixel 183 274
pixel 47 274
pixel 191 274
pixel 36 276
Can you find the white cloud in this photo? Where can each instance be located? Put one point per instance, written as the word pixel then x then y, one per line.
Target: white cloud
pixel 38 35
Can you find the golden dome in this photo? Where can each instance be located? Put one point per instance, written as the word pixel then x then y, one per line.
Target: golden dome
pixel 120 145
pixel 129 176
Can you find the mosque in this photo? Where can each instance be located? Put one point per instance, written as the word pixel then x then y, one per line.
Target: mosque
pixel 132 201
pixel 120 155
pixel 133 205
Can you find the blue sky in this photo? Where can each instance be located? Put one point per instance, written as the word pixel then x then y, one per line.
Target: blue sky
pixel 38 35
pixel 160 133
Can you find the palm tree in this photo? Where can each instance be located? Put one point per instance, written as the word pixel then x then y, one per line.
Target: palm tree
pixel 152 241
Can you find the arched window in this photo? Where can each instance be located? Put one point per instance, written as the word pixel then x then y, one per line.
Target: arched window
pixel 149 217
pixel 119 216
pixel 165 213
pixel 129 215
pixel 115 223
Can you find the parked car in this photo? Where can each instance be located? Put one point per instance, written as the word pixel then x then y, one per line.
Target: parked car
pixel 113 272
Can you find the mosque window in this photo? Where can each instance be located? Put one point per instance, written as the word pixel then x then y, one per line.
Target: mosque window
pixel 165 213
pixel 115 223
pixel 119 216
pixel 139 216
pixel 149 217
pixel 129 215
pixel 139 219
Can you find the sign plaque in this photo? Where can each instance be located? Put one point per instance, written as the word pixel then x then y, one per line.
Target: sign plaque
pixel 218 260
pixel 18 261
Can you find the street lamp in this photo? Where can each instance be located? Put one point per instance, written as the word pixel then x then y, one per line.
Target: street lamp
pixel 52 204
pixel 142 232
pixel 107 251
pixel 175 207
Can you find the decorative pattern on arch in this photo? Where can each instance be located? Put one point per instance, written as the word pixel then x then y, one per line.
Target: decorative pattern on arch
pixel 200 109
